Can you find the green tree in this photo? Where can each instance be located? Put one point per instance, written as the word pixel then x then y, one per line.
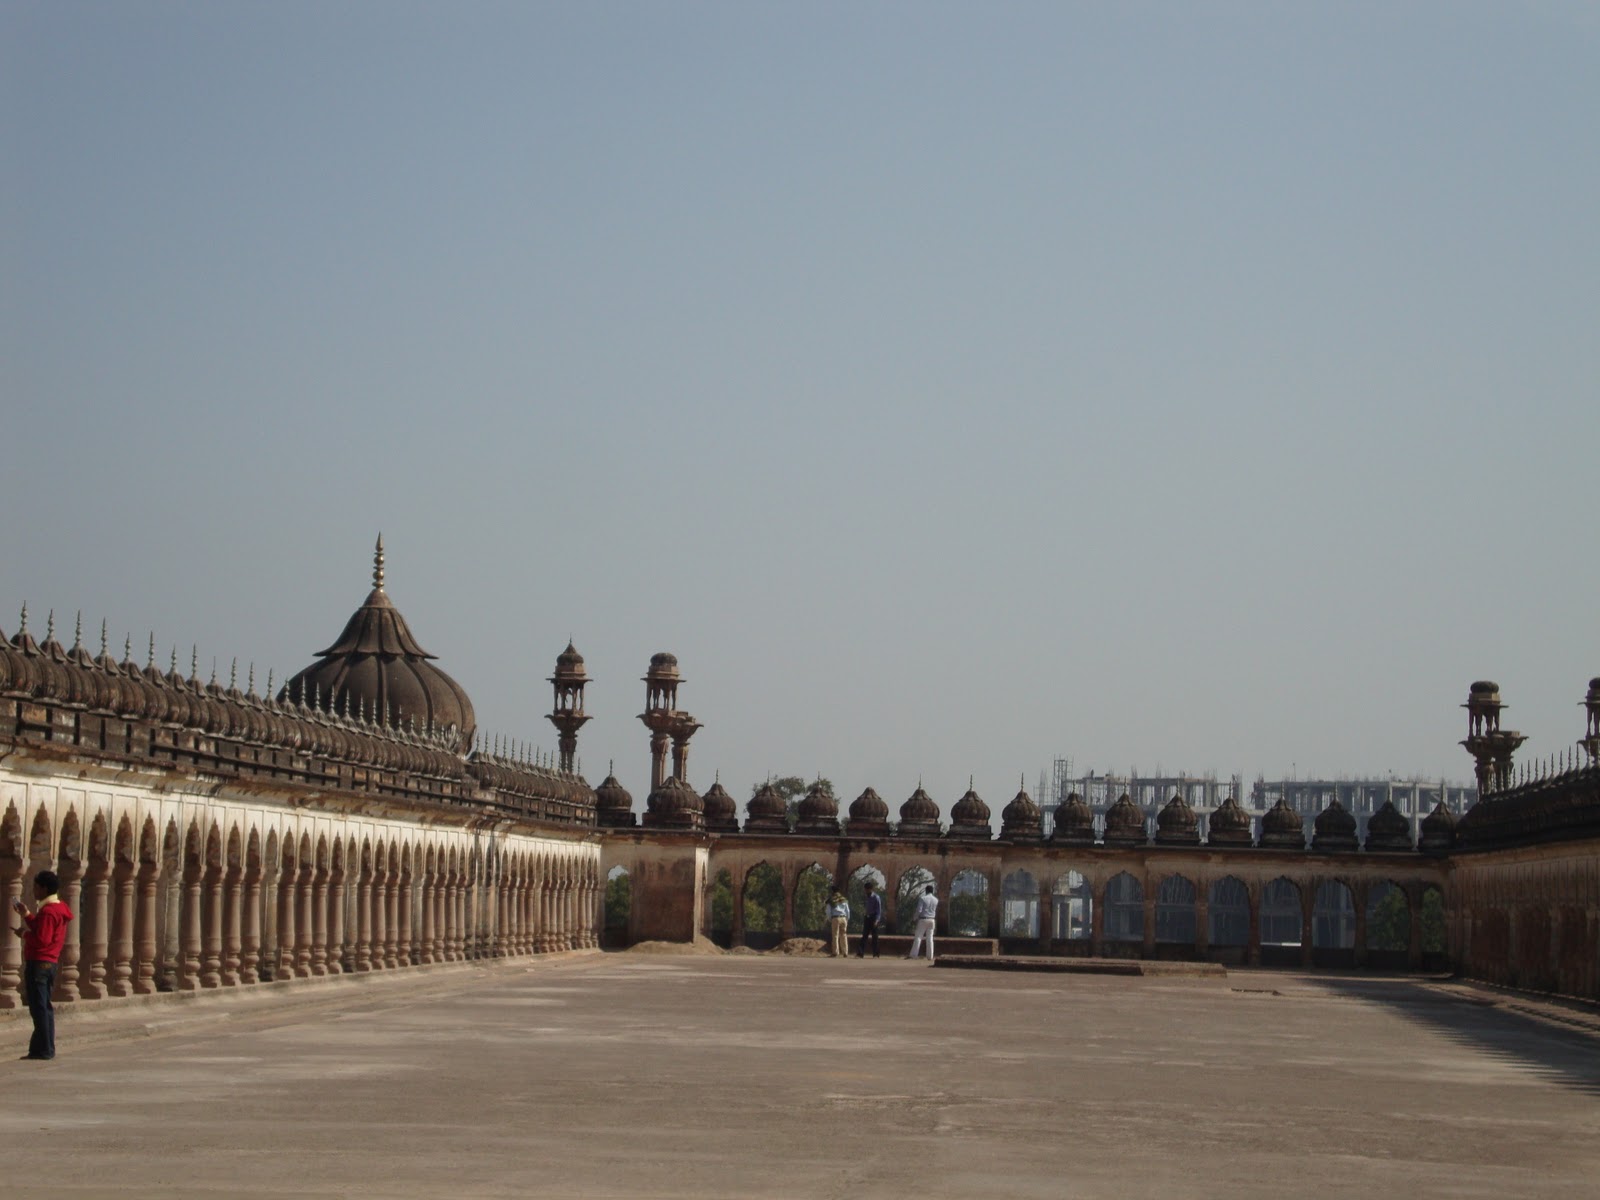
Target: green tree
pixel 722 903
pixel 811 899
pixel 1433 921
pixel 1389 922
pixel 911 885
pixel 763 900
pixel 619 900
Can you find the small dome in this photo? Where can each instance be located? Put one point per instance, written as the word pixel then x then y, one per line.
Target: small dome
pixel 1074 822
pixel 1388 830
pixel 869 815
pixel 721 809
pixel 1335 828
pixel 1229 825
pixel 674 805
pixel 613 803
pixel 1438 829
pixel 969 816
pixel 818 811
pixel 1125 823
pixel 766 812
pixel 919 815
pixel 1021 821
pixel 1484 687
pixel 663 666
pixel 1176 823
pixel 1282 828
pixel 569 665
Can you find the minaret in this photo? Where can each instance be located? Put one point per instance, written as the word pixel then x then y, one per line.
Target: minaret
pixel 1591 738
pixel 568 716
pixel 665 722
pixel 1491 746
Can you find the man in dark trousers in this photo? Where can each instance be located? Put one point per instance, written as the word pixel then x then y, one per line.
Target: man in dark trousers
pixel 43 932
pixel 872 918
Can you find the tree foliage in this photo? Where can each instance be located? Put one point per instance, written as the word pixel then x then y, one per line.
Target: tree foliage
pixel 619 900
pixel 763 899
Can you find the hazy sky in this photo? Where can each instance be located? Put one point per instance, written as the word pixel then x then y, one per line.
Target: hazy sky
pixel 1210 387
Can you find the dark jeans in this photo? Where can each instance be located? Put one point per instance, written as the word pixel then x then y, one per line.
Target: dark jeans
pixel 869 930
pixel 38 981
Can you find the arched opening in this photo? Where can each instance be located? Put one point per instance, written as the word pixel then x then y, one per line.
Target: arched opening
pixel 1388 925
pixel 763 906
pixel 1281 920
pixel 1175 912
pixel 1333 924
pixel 1019 906
pixel 722 908
pixel 1124 909
pixel 856 893
pixel 1228 905
pixel 619 906
pixel 912 884
pixel 969 904
pixel 1072 902
pixel 811 902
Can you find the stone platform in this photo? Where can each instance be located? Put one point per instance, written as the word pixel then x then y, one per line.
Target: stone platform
pixel 744 1075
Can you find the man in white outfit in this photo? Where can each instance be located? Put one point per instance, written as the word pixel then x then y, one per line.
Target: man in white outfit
pixel 927 908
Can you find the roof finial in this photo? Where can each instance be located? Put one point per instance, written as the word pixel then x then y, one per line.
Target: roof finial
pixel 127 648
pixel 102 637
pixel 151 660
pixel 24 628
pixel 250 687
pixel 377 565
pixel 233 676
pixel 77 632
pixel 269 683
pixel 50 626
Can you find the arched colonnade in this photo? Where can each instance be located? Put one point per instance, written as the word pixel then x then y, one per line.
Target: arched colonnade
pixel 184 893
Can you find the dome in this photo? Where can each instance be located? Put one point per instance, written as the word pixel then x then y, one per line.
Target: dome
pixel 721 809
pixel 663 666
pixel 674 805
pixel 869 815
pixel 1074 822
pixel 1176 823
pixel 1335 829
pixel 1229 825
pixel 569 666
pixel 1282 828
pixel 1020 821
pixel 1388 830
pixel 1125 823
pixel 969 817
pixel 613 803
pixel 819 811
pixel 376 663
pixel 1438 829
pixel 766 812
pixel 919 815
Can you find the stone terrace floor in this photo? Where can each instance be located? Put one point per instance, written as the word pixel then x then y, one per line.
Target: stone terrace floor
pixel 636 1075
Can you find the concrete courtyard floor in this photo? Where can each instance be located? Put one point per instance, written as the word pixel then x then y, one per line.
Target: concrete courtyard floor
pixel 641 1075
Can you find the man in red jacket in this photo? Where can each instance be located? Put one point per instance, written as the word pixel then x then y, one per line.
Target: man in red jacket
pixel 43 932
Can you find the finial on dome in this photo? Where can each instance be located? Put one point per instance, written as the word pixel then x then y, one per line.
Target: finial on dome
pixel 24 628
pixel 172 668
pixel 194 660
pixel 377 565
pixel 50 626
pixel 77 632
pixel 127 647
pixel 233 676
pixel 150 661
pixel 251 685
pixel 102 638
pixel 269 683
pixel 213 670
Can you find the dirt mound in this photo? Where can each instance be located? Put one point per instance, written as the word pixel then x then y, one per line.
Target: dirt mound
pixel 700 945
pixel 810 947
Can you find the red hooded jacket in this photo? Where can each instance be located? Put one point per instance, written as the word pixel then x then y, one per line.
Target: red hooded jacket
pixel 47 932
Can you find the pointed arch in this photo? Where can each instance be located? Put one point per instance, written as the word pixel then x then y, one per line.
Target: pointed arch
pixel 124 850
pixel 1228 911
pixel 1124 909
pixel 41 838
pixel 11 833
pixel 99 841
pixel 70 851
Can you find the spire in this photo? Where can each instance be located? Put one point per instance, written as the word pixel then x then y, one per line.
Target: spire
pixel 102 639
pixel 50 626
pixel 24 628
pixel 377 565
pixel 77 632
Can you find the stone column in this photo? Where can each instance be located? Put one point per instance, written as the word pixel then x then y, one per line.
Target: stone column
pixel 211 927
pixel 391 917
pixel 380 918
pixel 436 890
pixel 189 917
pixel 144 946
pixel 452 917
pixel 335 921
pixel 425 946
pixel 1308 898
pixel 71 876
pixel 993 897
pixel 319 921
pixel 1253 948
pixel 405 943
pixel 284 967
pixel 121 981
pixel 250 927
pixel 232 939
pixel 305 931
pixel 10 945
pixel 1047 916
pixel 364 919
pixel 1148 904
pixel 1202 921
pixel 96 928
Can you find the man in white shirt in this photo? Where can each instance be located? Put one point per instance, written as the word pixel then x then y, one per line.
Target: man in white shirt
pixel 927 909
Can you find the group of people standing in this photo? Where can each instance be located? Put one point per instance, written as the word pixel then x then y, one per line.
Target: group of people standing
pixel 838 911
